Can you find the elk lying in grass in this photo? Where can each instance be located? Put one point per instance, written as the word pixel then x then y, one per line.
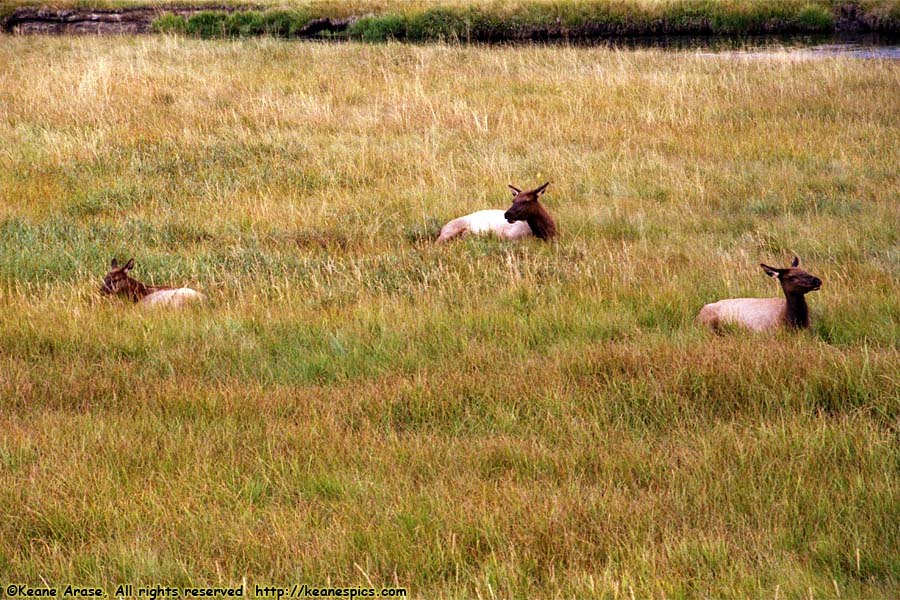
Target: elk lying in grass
pixel 119 283
pixel 763 314
pixel 526 217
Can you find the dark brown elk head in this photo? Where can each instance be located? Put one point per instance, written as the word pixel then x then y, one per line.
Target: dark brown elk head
pixel 117 282
pixel 527 207
pixel 794 281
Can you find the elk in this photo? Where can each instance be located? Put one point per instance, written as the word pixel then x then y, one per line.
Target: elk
pixel 526 217
pixel 765 314
pixel 118 282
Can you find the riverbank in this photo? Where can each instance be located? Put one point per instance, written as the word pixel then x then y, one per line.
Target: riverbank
pixel 485 21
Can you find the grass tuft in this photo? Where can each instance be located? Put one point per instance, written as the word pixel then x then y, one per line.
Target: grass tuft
pixel 170 23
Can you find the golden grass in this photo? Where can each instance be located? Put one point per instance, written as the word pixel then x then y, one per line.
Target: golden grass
pixel 483 419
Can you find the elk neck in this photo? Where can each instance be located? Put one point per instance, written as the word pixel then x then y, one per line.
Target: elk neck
pixel 541 223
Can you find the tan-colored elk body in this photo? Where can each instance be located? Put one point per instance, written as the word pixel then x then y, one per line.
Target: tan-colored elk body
pixel 767 314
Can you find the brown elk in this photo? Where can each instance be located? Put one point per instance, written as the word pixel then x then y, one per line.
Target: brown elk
pixel 763 314
pixel 526 217
pixel 118 282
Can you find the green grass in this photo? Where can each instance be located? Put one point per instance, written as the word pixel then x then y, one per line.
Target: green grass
pixel 488 20
pixel 483 418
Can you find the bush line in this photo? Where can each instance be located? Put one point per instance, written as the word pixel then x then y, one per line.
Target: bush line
pixel 209 24
pixel 545 21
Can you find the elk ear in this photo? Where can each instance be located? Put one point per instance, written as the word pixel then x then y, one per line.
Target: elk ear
pixel 795 262
pixel 129 265
pixel 114 264
pixel 770 271
pixel 539 191
pixel 515 191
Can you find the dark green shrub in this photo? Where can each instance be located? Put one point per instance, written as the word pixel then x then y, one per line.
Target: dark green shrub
pixel 477 24
pixel 686 16
pixel 169 23
pixel 768 16
pixel 738 22
pixel 283 23
pixel 485 26
pixel 244 23
pixel 379 28
pixel 813 17
pixel 530 15
pixel 727 21
pixel 207 24
pixel 575 14
pixel 438 24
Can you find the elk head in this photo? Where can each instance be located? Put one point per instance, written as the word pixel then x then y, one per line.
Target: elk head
pixel 794 281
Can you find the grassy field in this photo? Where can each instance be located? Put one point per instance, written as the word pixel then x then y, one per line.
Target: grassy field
pixel 482 419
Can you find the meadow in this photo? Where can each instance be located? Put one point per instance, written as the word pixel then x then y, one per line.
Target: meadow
pixel 485 419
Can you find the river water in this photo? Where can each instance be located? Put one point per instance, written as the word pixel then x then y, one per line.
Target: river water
pixel 818 51
pixel 863 46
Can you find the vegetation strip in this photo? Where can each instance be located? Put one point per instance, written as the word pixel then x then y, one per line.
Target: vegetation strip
pixel 477 23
